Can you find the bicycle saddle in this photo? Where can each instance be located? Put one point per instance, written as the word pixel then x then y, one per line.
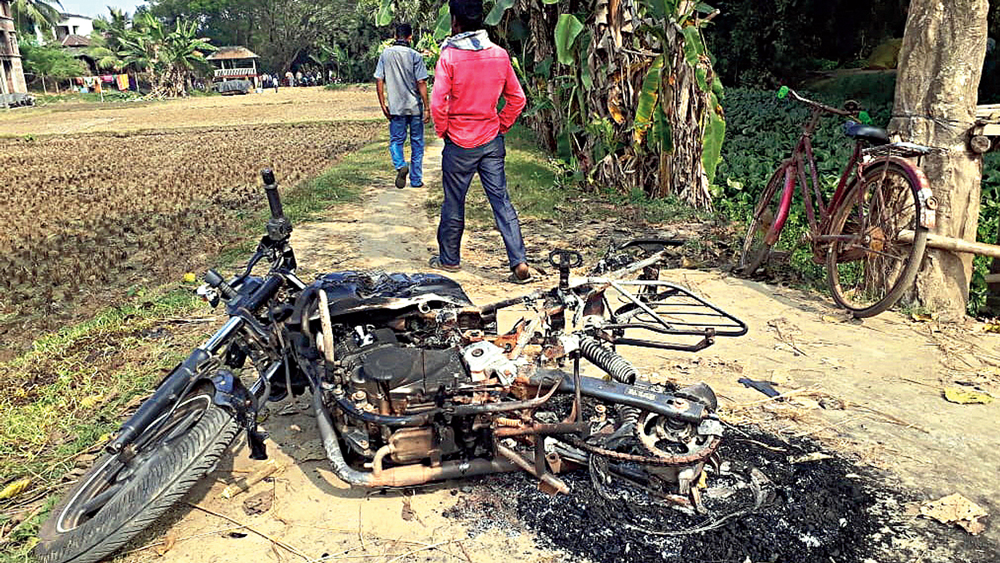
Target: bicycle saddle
pixel 874 135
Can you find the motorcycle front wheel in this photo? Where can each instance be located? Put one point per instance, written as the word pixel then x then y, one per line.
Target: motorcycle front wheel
pixel 123 493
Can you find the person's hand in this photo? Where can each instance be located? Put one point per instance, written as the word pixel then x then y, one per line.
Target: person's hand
pixel 385 111
pixel 427 115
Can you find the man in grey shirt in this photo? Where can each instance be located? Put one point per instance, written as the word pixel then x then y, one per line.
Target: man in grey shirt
pixel 402 72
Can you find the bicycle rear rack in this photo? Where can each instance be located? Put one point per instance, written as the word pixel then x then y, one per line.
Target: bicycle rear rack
pixel 904 150
pixel 664 308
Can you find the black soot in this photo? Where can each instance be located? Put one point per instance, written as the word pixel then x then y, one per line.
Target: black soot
pixel 769 503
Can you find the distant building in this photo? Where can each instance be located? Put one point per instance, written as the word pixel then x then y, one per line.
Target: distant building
pixel 11 71
pixel 234 63
pixel 69 24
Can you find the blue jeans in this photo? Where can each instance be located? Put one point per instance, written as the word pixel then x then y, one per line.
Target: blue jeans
pixel 398 124
pixel 458 165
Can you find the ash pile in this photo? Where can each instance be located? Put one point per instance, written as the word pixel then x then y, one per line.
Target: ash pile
pixel 770 500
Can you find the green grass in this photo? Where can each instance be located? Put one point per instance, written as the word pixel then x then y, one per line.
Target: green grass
pixel 77 97
pixel 543 187
pixel 68 391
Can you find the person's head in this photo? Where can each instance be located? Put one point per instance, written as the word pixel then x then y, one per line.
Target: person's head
pixel 404 31
pixel 466 15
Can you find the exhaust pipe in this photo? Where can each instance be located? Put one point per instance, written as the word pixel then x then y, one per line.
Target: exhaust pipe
pixel 402 476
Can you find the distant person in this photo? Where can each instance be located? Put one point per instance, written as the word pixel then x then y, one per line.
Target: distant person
pixel 289 79
pixel 399 77
pixel 472 73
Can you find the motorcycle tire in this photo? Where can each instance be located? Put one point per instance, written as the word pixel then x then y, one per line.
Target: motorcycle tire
pixel 114 500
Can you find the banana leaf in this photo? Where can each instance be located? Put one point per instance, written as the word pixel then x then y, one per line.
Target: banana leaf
pixel 649 94
pixel 712 137
pixel 384 16
pixel 496 14
pixel 567 29
pixel 693 45
pixel 443 27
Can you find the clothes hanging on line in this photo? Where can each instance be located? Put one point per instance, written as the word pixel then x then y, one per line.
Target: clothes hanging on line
pixel 122 81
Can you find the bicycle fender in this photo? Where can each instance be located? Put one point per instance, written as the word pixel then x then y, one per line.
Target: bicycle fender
pixel 928 203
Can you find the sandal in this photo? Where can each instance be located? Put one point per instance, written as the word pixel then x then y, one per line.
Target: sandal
pixel 528 278
pixel 435 262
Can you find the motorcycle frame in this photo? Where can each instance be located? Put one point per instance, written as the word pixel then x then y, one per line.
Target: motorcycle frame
pixel 243 301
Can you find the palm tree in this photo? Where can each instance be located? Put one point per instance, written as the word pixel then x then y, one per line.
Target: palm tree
pixel 108 38
pixel 168 57
pixel 40 14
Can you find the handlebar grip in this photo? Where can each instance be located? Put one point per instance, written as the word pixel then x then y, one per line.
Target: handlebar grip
pixel 271 189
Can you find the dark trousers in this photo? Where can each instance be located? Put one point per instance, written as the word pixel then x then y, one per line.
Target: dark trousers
pixel 458 165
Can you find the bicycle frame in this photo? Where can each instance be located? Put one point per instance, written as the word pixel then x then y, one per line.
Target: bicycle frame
pixel 795 175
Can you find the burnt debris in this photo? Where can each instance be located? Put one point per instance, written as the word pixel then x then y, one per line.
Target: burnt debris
pixel 761 507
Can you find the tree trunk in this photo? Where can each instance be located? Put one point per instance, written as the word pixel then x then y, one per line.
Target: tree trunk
pixel 940 63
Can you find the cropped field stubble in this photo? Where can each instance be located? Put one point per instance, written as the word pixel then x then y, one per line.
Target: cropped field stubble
pixel 101 212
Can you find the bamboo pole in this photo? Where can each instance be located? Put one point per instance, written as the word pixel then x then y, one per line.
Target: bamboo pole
pixel 954 244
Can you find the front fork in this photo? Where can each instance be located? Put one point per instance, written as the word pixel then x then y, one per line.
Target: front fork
pixel 230 393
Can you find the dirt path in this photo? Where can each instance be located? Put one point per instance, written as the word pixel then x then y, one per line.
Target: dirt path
pixel 870 389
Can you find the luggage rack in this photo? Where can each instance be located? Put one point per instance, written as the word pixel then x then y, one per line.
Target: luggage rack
pixel 664 308
pixel 904 150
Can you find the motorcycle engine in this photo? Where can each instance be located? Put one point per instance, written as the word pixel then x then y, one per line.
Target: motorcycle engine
pixel 383 374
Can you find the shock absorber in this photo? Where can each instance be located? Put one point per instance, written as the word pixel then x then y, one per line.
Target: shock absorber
pixel 620 369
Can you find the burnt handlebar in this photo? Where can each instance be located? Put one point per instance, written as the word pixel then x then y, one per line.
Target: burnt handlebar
pixel 271 189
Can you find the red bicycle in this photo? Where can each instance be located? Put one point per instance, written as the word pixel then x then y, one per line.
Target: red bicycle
pixel 873 230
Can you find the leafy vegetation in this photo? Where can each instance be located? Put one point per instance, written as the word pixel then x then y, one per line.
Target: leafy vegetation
pixel 31 14
pixel 761 44
pixel 285 33
pixel 167 55
pixel 48 62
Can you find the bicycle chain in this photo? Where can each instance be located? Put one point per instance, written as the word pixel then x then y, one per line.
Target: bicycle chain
pixel 646 460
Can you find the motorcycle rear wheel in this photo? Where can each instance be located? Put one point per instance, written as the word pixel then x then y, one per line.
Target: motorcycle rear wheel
pixel 115 500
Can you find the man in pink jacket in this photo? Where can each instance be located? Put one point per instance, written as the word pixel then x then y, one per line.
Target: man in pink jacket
pixel 472 73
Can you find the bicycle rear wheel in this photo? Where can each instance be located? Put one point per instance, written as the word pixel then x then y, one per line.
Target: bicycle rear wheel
pixel 868 267
pixel 755 248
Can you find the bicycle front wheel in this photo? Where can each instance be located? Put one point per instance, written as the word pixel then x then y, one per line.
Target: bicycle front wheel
pixel 868 266
pixel 755 249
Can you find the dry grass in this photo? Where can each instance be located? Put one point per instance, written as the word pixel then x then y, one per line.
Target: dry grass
pixel 96 213
pixel 288 105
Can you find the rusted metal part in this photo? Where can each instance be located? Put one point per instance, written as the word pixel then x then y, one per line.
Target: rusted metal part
pixel 644 459
pixel 410 475
pixel 540 429
pixel 555 462
pixel 547 478
pixel 508 422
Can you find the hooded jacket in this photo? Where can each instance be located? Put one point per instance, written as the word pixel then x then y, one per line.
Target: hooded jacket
pixel 471 76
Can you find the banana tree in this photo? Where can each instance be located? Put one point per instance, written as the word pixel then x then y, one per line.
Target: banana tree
pixel 627 88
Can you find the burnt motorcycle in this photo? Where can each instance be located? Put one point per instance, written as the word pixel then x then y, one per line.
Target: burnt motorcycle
pixel 412 383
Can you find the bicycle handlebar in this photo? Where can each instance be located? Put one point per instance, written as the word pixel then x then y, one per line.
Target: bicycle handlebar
pixel 786 91
pixel 271 189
